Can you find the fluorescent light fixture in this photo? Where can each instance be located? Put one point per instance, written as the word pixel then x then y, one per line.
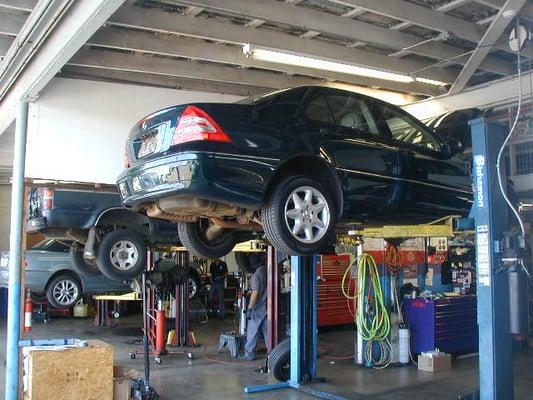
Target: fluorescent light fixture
pixel 325 65
pixel 429 81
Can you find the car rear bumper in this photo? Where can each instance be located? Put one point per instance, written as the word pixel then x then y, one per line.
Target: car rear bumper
pixel 226 178
pixel 35 280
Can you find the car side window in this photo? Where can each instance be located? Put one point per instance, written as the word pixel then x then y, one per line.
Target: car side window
pixel 352 112
pixel 318 110
pixel 406 129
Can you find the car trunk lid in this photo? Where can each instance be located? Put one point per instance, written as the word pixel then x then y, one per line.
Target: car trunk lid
pixel 181 128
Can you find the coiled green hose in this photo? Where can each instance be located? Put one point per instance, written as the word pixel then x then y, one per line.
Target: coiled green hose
pixel 378 327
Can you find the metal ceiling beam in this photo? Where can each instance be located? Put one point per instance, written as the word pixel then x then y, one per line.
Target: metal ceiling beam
pixel 492 34
pixel 194 11
pixel 491 3
pixel 425 17
pixel 19 5
pixel 418 15
pixel 309 19
pixel 184 69
pixel 5 43
pixel 11 24
pixel 163 81
pixel 169 45
pixel 160 21
pixel 444 8
pixel 58 45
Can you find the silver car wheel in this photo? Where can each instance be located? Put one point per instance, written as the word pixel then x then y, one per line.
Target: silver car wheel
pixel 65 292
pixel 124 255
pixel 193 288
pixel 307 214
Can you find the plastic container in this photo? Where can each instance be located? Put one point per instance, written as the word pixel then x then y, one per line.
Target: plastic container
pixel 81 310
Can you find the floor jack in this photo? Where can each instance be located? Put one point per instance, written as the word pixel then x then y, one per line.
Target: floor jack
pixel 142 389
pixel 155 286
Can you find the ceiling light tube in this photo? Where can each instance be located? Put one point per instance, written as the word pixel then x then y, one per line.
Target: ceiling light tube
pixel 296 60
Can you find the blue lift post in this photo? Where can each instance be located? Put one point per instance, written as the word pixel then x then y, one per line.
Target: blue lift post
pixel 491 217
pixel 304 340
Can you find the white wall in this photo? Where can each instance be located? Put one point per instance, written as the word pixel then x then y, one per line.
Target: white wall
pixel 5 215
pixel 77 128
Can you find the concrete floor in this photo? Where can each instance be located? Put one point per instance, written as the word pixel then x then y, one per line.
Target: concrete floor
pixel 203 378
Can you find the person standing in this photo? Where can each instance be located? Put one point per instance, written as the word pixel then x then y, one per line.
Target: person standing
pixel 257 310
pixel 218 270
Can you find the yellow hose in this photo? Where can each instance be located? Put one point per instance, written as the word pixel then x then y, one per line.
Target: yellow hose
pixel 343 284
pixel 378 327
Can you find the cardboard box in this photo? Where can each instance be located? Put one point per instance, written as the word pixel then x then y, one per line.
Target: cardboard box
pixel 69 372
pixel 435 363
pixel 122 382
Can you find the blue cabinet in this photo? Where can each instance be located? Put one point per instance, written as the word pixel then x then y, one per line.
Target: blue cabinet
pixel 449 324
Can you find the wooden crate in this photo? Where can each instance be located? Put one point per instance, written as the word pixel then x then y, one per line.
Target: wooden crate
pixel 73 373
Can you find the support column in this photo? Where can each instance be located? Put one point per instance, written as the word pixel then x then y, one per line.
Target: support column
pixel 272 299
pixel 14 311
pixel 491 217
pixel 304 340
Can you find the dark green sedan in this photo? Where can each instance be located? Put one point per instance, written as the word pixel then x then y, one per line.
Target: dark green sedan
pixel 298 164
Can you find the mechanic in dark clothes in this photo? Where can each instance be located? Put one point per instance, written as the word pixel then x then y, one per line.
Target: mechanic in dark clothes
pixel 257 308
pixel 218 270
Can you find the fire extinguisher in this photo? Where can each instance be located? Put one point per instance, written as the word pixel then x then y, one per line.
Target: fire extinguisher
pixel 28 311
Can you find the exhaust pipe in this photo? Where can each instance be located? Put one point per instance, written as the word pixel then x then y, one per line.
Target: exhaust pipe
pixel 88 250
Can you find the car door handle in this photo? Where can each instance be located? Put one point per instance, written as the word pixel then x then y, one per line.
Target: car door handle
pixel 324 130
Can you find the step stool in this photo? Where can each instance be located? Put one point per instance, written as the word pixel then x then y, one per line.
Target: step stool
pixel 232 342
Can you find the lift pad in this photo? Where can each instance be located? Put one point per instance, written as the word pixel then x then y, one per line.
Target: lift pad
pixel 443 227
pixel 132 296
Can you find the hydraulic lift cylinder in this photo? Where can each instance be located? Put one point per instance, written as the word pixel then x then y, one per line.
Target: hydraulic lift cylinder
pixel 160 331
pixel 518 304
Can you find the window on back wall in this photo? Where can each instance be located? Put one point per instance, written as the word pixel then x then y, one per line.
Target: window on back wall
pixel 524 159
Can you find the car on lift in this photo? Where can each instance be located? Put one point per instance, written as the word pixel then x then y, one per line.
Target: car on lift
pixel 49 274
pixel 298 164
pixel 106 238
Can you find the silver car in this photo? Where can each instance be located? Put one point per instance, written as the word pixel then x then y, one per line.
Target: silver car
pixel 49 272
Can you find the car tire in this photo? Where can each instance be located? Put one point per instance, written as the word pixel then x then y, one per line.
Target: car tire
pixel 63 291
pixel 122 255
pixel 38 297
pixel 279 360
pixel 192 236
pixel 79 264
pixel 242 259
pixel 281 214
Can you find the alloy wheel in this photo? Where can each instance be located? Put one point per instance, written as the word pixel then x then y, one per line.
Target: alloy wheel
pixel 124 255
pixel 193 288
pixel 65 292
pixel 307 214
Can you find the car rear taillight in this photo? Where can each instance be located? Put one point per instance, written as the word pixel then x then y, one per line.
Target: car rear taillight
pixel 48 199
pixel 196 125
pixel 126 159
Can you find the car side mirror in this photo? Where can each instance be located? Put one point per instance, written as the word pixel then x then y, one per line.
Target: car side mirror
pixel 452 147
